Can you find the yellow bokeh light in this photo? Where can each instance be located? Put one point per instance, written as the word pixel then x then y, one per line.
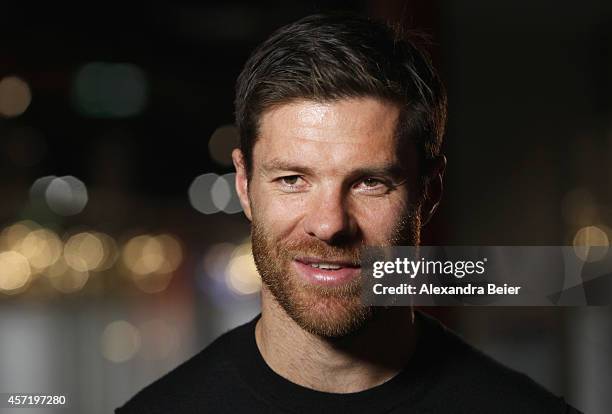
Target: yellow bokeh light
pixel 41 247
pixel 145 254
pixel 110 251
pixel 151 260
pixel 243 248
pixel 173 252
pixel 241 274
pixel 65 278
pixel 15 272
pixel 15 96
pixel 12 236
pixel 591 243
pixel 57 269
pixel 84 252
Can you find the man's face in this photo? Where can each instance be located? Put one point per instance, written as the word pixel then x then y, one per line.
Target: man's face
pixel 327 179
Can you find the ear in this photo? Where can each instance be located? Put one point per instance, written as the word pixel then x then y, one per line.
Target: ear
pixel 433 190
pixel 242 183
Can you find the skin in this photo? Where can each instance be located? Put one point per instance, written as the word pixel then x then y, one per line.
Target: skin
pixel 327 178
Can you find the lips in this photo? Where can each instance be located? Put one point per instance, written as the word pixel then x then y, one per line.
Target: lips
pixel 326 272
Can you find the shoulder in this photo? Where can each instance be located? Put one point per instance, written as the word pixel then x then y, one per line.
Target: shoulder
pixel 205 378
pixel 474 382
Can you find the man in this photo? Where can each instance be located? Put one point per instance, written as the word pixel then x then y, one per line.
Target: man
pixel 341 123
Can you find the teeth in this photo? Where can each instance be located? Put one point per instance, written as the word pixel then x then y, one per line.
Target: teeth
pixel 328 266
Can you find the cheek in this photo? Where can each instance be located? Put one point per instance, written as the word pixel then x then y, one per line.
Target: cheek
pixel 280 213
pixel 379 219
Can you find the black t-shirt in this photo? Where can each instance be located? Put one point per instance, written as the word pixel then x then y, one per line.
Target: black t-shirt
pixel 445 375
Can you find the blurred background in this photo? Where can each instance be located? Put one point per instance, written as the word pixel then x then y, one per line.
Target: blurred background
pixel 123 250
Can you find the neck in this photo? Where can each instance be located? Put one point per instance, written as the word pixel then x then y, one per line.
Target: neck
pixel 358 362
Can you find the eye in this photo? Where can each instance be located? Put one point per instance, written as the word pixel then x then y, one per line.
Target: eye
pixel 373 186
pixel 290 179
pixel 371 182
pixel 291 183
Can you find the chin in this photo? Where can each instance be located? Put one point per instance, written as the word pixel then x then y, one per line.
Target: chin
pixel 328 317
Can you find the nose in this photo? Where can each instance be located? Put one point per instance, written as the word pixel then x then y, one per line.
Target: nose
pixel 329 218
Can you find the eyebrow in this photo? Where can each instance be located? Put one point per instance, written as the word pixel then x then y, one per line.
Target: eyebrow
pixel 388 169
pixel 277 164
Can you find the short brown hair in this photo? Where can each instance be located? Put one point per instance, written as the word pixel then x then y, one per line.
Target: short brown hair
pixel 330 57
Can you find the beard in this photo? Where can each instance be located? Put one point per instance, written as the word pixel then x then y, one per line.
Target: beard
pixel 326 311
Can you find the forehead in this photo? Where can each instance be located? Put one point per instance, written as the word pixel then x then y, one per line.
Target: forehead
pixel 333 134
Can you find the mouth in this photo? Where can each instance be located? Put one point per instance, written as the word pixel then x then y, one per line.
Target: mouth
pixel 326 272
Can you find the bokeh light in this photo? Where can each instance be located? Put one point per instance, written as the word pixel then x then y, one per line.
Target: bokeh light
pixel 241 273
pixel 65 278
pixel 110 90
pixel 228 203
pixel 222 142
pixel 15 96
pixel 143 254
pixel 173 252
pixel 41 247
pixel 120 341
pixel 220 193
pixel 211 193
pixel 84 252
pixel 199 193
pixel 591 243
pixel 151 260
pixel 110 251
pixel 14 272
pixel 12 236
pixel 39 187
pixel 66 195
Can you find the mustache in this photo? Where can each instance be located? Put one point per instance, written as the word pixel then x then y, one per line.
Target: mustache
pixel 315 248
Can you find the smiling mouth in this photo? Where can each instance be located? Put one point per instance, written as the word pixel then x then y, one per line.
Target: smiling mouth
pixel 327 272
pixel 328 264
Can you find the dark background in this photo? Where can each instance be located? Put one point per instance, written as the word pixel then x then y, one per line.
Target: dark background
pixel 528 147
